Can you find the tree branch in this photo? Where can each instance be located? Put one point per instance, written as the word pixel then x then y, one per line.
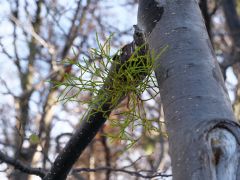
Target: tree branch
pixel 96 115
pixel 139 173
pixel 21 166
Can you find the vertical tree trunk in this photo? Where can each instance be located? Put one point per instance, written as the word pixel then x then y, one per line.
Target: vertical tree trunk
pixel 22 103
pixel 203 134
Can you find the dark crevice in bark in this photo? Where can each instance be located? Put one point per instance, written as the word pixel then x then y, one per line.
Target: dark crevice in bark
pixel 207 18
pixel 218 149
pixel 223 151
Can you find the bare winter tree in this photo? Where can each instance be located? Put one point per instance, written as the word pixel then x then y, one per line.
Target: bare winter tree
pixel 196 105
pixel 201 127
pixel 43 34
pixel 42 47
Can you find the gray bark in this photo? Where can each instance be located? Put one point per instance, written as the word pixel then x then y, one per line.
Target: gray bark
pixel 203 135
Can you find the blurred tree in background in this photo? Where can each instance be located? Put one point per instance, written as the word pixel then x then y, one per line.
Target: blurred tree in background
pixel 36 37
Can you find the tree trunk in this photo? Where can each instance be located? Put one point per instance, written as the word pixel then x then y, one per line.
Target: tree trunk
pixel 203 135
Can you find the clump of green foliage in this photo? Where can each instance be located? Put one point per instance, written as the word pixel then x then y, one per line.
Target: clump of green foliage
pixel 107 80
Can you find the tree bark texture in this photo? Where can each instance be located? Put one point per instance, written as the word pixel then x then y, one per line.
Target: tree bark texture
pixel 203 134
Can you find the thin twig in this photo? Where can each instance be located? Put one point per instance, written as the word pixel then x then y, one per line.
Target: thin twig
pixel 132 173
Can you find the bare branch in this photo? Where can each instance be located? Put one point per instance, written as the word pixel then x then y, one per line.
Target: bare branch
pixel 21 166
pixel 31 31
pixel 139 173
